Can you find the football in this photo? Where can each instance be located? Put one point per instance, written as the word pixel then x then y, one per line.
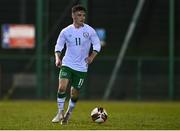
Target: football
pixel 99 115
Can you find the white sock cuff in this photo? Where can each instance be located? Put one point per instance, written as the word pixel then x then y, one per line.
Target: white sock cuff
pixel 61 99
pixel 71 104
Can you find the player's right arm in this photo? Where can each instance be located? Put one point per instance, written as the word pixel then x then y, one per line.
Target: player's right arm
pixel 58 48
pixel 58 59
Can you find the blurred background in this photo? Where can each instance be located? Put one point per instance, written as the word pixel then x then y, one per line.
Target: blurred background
pixel 139 60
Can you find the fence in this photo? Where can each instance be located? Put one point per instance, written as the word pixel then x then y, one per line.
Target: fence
pixel 138 79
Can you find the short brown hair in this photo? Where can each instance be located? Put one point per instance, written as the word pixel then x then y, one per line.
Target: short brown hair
pixel 78 8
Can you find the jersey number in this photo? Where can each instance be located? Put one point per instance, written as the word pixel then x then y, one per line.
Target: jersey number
pixel 80 82
pixel 78 41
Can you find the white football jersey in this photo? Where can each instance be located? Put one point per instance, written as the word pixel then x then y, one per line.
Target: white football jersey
pixel 78 42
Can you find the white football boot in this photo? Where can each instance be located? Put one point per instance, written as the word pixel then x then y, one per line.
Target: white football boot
pixel 66 118
pixel 58 117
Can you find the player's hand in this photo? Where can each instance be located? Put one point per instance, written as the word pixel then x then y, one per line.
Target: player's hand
pixel 58 63
pixel 89 60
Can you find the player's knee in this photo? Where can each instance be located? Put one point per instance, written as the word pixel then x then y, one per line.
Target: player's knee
pixel 62 88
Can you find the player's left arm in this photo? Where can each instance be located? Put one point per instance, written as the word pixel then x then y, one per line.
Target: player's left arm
pixel 91 57
pixel 96 47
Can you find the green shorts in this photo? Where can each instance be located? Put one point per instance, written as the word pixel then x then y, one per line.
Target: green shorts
pixel 77 78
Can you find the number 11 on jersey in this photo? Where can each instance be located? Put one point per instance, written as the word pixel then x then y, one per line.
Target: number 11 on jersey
pixel 78 41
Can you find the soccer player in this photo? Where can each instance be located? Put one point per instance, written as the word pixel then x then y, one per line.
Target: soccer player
pixel 78 38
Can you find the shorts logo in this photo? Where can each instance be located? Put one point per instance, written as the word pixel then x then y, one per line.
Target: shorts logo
pixel 63 73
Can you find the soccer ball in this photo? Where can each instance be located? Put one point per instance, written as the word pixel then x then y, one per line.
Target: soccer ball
pixel 99 115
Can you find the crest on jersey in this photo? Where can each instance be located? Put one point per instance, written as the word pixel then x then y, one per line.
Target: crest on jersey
pixel 86 34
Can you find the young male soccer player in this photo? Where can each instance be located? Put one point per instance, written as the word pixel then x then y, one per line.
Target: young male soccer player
pixel 78 38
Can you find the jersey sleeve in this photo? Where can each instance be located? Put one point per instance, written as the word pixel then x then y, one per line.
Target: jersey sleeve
pixel 95 41
pixel 60 42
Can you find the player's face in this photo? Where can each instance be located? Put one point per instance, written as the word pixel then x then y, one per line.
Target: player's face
pixel 79 18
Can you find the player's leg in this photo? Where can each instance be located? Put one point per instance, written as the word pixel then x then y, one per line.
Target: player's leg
pixel 77 84
pixel 61 96
pixel 73 99
pixel 64 77
pixel 72 103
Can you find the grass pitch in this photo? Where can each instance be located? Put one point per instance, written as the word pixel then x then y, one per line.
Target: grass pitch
pixel 32 115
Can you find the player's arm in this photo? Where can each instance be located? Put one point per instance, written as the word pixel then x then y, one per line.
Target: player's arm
pixel 58 58
pixel 91 57
pixel 58 49
pixel 96 47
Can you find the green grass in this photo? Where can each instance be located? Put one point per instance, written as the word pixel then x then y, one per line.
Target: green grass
pixel 31 115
